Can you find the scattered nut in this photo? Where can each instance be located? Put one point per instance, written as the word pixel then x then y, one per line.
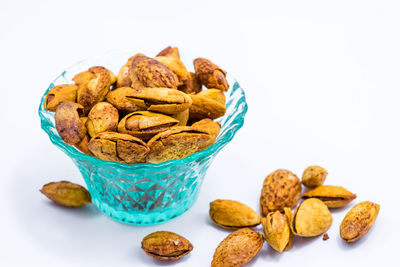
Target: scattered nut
pixel 311 218
pixel 358 221
pixel 314 176
pixel 232 214
pixel 281 189
pixel 164 245
pixel 277 230
pixel 238 248
pixel 66 194
pixel 332 196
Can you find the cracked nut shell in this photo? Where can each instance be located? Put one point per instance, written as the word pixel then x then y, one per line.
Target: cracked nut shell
pixel 93 86
pixel 103 117
pixel 205 107
pixel 238 248
pixel 164 245
pixel 191 85
pixel 281 189
pixel 176 143
pixel 66 194
pixel 277 230
pixel 163 100
pixel 118 147
pixel 210 74
pixel 332 196
pixel 209 126
pixel 145 124
pixel 64 92
pixel 68 124
pixel 147 72
pixel 118 98
pixel 358 221
pixel 311 218
pixel 232 214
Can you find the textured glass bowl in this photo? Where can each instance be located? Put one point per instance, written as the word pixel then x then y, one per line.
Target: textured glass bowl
pixel 144 194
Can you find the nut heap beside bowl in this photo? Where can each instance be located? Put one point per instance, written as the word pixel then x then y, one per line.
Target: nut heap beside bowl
pixel 155 109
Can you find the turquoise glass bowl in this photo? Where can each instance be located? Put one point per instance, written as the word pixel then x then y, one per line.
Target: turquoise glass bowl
pixel 144 194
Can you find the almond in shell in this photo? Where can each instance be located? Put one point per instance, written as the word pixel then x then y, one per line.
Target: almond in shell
pixel 332 196
pixel 277 230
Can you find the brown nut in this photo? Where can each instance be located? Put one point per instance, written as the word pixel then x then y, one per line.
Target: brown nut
pixel 145 124
pixel 147 72
pixel 311 218
pixel 177 143
pixel 191 85
pixel 176 66
pixel 332 196
pixel 232 214
pixel 210 74
pixel 66 194
pixel 277 230
pixel 103 117
pixel 118 147
pixel 209 126
pixel 214 94
pixel 164 245
pixel 123 78
pixel 238 248
pixel 64 92
pixel 314 176
pixel 281 189
pixel 68 124
pixel 163 100
pixel 93 86
pixel 169 52
pixel 358 221
pixel 204 107
pixel 182 117
pixel 118 98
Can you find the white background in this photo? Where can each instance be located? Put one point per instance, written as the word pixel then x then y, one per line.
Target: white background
pixel 322 84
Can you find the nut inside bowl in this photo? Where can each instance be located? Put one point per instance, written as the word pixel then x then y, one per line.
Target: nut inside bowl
pixel 144 193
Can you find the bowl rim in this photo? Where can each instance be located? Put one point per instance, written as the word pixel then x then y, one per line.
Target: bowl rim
pixel 75 153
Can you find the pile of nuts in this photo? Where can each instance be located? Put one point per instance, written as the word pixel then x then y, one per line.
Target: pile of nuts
pixel 155 109
pixel 281 192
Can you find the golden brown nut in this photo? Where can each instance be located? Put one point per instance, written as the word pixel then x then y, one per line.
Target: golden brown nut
pixel 103 117
pixel 311 218
pixel 163 100
pixel 176 66
pixel 191 85
pixel 277 230
pixel 214 94
pixel 332 196
pixel 123 78
pixel 118 98
pixel 281 189
pixel 209 126
pixel 210 74
pixel 68 124
pixel 314 176
pixel 145 124
pixel 238 248
pixel 118 147
pixel 93 86
pixel 358 221
pixel 164 245
pixel 182 117
pixel 232 214
pixel 169 52
pixel 83 145
pixel 64 92
pixel 177 143
pixel 66 194
pixel 147 72
pixel 204 107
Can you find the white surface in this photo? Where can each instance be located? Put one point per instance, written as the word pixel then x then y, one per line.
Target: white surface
pixel 322 84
